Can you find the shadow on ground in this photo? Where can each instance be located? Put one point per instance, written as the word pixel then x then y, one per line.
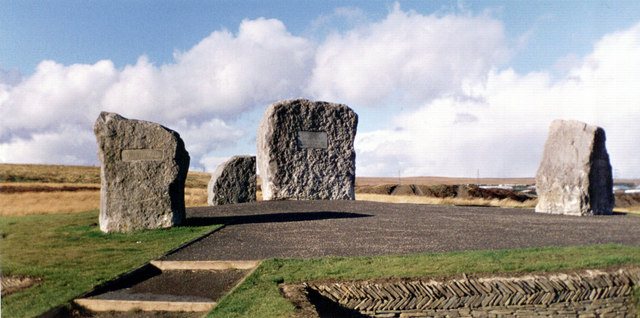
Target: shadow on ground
pixel 271 218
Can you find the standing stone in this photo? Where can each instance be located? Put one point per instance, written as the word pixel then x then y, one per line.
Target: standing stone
pixel 234 181
pixel 144 168
pixel 574 176
pixel 305 151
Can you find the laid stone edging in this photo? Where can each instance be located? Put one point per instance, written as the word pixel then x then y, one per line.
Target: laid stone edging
pixel 592 292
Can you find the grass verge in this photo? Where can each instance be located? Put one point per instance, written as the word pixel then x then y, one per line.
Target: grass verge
pixel 71 256
pixel 259 295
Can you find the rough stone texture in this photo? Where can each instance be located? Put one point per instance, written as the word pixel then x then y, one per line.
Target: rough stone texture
pixel 234 181
pixel 574 177
pixel 144 168
pixel 305 151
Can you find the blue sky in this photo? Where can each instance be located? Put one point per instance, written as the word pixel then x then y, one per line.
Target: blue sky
pixel 464 86
pixel 88 31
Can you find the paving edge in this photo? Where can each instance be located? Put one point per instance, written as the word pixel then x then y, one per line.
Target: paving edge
pixel 127 305
pixel 204 265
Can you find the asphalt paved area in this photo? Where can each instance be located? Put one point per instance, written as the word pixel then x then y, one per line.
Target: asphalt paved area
pixel 307 229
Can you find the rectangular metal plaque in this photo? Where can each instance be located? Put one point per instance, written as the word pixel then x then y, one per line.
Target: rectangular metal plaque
pixel 312 139
pixel 141 154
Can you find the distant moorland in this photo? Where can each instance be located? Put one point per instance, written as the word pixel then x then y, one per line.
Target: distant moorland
pixel 27 189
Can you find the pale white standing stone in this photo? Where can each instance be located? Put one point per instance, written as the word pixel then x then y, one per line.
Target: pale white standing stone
pixel 305 151
pixel 234 181
pixel 574 176
pixel 143 171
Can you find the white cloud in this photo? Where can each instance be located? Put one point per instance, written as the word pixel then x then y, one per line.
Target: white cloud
pixel 10 77
pixel 63 145
pixel 513 113
pixel 199 95
pixel 407 58
pixel 339 18
pixel 54 96
pixel 210 163
pixel 457 109
pixel 208 136
pixel 223 75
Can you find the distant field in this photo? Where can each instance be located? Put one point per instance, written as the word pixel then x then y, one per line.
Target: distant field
pixel 49 189
pixel 74 174
pixel 52 189
pixel 442 180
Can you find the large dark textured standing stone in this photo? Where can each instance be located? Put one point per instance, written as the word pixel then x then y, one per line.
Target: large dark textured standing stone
pixel 574 176
pixel 144 168
pixel 305 151
pixel 234 181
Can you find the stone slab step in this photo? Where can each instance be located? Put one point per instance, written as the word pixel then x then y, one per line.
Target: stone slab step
pixel 204 265
pixel 170 286
pixel 144 305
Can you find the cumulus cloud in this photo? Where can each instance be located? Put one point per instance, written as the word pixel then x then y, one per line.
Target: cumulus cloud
pixel 66 145
pixel 407 58
pixel 456 108
pixel 54 96
pixel 511 114
pixel 9 77
pixel 199 94
pixel 222 76
pixel 210 163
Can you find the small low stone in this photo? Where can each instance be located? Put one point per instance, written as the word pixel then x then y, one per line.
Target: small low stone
pixel 234 181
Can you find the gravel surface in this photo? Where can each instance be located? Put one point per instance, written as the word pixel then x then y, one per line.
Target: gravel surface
pixel 308 229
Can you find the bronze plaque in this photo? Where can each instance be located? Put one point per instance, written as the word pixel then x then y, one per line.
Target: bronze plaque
pixel 141 154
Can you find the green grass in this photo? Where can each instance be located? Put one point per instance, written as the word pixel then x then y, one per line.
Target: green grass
pixel 259 296
pixel 72 255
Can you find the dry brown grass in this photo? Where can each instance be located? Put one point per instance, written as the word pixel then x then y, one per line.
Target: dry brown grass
pixel 75 174
pixel 12 187
pixel 49 173
pixel 195 197
pixel 27 203
pixel 441 180
pixel 196 179
pixel 19 184
pixel 413 199
pixel 631 209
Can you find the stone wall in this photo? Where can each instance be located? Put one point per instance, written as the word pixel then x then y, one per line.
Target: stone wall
pixel 592 293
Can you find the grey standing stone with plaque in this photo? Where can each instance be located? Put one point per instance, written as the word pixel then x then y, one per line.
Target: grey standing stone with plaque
pixel 574 176
pixel 305 151
pixel 143 170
